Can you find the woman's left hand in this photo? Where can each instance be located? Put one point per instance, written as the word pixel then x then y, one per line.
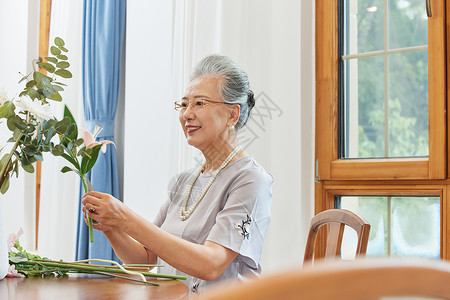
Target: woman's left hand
pixel 105 209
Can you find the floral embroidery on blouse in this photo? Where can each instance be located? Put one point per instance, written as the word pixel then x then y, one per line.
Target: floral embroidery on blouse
pixel 243 227
pixel 194 287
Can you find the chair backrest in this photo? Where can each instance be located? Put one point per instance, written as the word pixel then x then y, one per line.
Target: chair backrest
pixel 345 280
pixel 336 220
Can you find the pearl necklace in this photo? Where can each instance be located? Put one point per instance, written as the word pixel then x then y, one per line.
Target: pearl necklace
pixel 185 213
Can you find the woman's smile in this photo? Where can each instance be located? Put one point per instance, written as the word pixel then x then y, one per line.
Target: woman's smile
pixel 191 129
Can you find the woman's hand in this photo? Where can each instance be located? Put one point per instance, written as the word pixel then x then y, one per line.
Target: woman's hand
pixel 95 224
pixel 104 209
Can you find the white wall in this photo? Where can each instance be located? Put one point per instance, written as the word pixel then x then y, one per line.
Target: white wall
pixel 273 42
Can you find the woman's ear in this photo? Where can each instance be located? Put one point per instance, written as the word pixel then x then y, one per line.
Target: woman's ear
pixel 235 113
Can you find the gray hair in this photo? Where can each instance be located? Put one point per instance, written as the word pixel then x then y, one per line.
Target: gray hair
pixel 233 84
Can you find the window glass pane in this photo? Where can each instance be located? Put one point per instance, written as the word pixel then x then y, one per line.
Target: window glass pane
pixel 408 104
pixel 384 104
pixel 400 226
pixel 363 26
pixel 407 23
pixel 364 108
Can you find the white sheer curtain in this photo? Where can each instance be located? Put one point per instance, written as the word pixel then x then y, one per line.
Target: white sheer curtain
pixel 19 25
pixel 60 192
pixel 269 40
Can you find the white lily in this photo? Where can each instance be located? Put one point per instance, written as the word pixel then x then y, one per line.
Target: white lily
pixel 89 139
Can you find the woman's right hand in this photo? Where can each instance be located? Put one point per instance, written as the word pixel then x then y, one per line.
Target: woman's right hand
pixel 95 224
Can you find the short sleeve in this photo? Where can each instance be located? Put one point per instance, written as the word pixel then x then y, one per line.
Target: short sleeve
pixel 243 222
pixel 161 216
pixel 172 189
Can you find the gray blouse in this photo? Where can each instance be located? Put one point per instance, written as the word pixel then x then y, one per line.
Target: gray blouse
pixel 234 213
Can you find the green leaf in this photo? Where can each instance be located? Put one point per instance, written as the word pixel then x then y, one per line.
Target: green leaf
pixel 23 78
pixel 51 59
pixel 63 73
pixel 59 42
pixel 60 83
pixel 57 88
pixel 28 167
pixel 31 83
pixel 78 142
pixel 62 57
pixel 7 109
pixel 28 159
pixel 5 186
pixel 85 152
pixel 70 131
pixel 46 66
pixel 55 51
pixel 47 124
pixel 66 169
pixel 50 133
pixel 55 97
pixel 88 162
pixel 71 160
pixel 46 82
pixel 16 169
pixel 32 93
pixel 62 125
pixel 63 65
pixel 57 151
pixel 63 49
pixel 74 134
pixel 15 122
pixel 48 91
pixel 37 76
pixel 16 134
pixel 38 156
pixel 29 149
pixel 4 160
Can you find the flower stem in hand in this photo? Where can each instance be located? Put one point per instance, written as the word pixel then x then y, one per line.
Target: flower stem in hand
pixel 86 189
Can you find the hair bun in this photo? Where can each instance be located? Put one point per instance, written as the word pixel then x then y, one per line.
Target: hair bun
pixel 250 99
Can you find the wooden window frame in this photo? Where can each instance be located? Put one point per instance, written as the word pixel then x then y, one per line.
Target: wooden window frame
pixel 390 176
pixel 329 166
pixel 330 190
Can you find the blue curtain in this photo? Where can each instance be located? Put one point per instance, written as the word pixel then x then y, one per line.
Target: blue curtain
pixel 103 34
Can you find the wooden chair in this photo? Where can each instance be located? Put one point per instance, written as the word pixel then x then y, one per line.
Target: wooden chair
pixel 336 220
pixel 345 280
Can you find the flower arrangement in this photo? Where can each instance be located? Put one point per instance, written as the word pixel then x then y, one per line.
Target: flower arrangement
pixel 26 116
pixel 35 131
pixel 24 264
pixel 33 126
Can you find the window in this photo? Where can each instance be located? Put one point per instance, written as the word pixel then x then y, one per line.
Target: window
pixel 381 131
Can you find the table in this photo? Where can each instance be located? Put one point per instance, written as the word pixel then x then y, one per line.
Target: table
pixel 89 287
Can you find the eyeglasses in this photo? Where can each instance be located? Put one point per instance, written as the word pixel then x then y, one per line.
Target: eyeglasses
pixel 195 104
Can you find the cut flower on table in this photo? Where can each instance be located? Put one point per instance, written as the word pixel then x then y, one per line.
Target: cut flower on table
pixel 23 264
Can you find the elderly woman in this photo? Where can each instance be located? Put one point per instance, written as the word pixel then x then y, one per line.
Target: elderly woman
pixel 212 227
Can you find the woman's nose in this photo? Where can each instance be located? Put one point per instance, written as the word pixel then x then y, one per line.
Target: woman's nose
pixel 189 112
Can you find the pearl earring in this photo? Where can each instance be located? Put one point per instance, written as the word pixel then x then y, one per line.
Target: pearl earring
pixel 230 126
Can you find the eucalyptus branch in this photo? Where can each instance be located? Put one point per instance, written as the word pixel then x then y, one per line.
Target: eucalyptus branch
pixel 5 167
